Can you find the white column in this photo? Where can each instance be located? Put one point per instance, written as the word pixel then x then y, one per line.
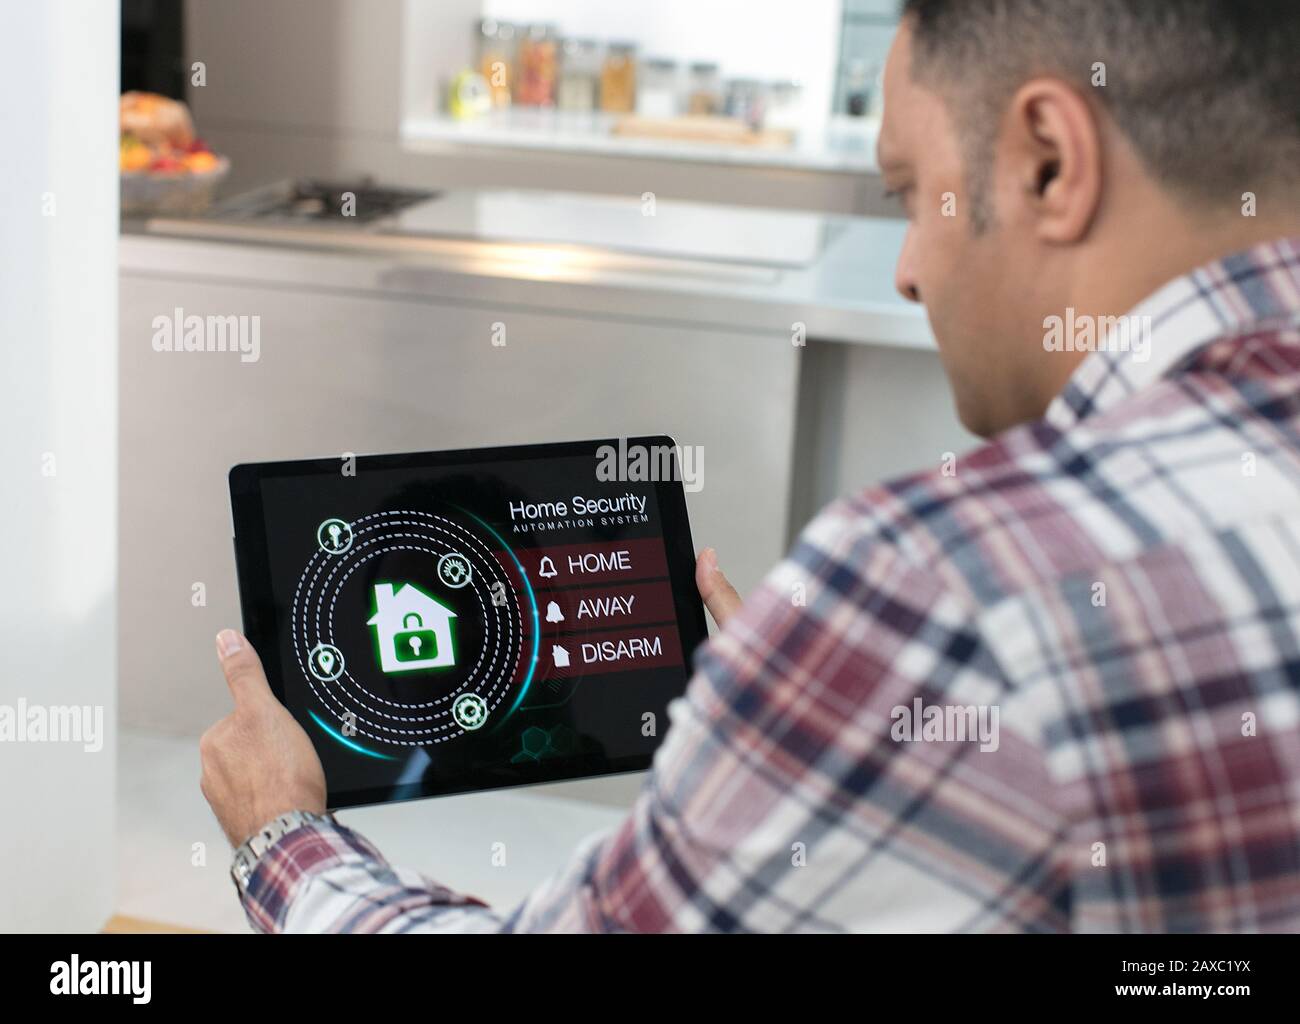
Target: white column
pixel 58 438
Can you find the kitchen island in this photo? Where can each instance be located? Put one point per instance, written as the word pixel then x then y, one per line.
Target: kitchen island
pixel 773 340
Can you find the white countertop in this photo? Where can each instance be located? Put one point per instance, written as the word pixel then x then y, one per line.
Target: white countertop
pixel 692 264
pixel 162 815
pixel 672 230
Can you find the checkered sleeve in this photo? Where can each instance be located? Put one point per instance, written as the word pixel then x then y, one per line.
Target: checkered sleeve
pixel 799 786
pixel 324 877
pixel 789 796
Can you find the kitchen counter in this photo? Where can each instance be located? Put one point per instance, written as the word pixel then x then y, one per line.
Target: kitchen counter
pixel 512 319
pixel 685 263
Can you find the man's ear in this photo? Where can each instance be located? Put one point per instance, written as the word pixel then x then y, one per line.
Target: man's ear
pixel 1052 145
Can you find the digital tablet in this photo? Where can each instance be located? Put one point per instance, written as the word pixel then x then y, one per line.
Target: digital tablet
pixel 443 622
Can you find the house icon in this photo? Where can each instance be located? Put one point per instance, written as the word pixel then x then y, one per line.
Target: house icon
pixel 412 630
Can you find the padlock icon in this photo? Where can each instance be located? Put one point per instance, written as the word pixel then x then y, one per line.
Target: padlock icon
pixel 412 629
pixel 415 643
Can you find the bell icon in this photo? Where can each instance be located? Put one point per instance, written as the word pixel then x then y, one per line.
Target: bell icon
pixel 553 613
pixel 547 568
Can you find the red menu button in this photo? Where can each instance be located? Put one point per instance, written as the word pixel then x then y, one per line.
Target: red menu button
pixel 605 607
pixel 572 564
pixel 623 650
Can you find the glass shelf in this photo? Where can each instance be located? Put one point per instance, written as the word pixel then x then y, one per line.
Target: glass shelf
pixel 844 145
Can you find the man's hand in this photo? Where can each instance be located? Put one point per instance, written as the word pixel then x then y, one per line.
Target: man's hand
pixel 720 597
pixel 257 761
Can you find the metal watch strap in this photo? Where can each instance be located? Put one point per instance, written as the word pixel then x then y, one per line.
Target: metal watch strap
pixel 250 851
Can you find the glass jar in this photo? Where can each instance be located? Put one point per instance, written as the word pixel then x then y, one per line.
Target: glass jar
pixel 857 89
pixel 656 88
pixel 537 67
pixel 746 101
pixel 496 45
pixel 618 79
pixel 785 107
pixel 704 93
pixel 579 76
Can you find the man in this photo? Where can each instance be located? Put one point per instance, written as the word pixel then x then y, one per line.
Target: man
pixel 1054 686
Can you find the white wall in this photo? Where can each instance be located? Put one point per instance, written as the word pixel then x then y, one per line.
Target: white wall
pixel 58 330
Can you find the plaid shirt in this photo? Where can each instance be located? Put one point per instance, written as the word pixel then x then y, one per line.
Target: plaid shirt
pixel 1115 587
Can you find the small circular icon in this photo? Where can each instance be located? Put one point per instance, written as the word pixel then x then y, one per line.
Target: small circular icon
pixel 325 662
pixel 469 710
pixel 453 569
pixel 334 536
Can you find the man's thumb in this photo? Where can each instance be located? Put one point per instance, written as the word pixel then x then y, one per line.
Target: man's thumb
pixel 719 595
pixel 242 666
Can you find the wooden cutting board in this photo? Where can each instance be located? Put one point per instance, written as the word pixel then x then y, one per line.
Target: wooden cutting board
pixel 120 924
pixel 719 130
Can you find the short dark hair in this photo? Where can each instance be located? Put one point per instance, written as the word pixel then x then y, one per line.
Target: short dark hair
pixel 1207 91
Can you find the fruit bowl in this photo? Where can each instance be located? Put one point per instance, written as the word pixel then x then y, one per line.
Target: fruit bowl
pixel 182 192
pixel 164 167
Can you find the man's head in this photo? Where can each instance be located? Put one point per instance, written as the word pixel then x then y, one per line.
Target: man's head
pixel 1076 154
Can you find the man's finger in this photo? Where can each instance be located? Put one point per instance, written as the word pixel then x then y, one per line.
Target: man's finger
pixel 720 597
pixel 242 666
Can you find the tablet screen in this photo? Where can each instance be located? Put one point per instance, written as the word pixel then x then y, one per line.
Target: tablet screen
pixel 454 621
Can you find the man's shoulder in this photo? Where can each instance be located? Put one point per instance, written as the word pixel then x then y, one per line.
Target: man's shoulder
pixel 1037 505
pixel 936 520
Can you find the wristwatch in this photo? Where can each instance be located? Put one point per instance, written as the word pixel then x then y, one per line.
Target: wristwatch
pixel 250 852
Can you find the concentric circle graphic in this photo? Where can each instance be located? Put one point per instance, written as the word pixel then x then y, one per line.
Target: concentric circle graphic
pixel 477 644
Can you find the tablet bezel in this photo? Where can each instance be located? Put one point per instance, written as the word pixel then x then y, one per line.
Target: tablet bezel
pixel 257 604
